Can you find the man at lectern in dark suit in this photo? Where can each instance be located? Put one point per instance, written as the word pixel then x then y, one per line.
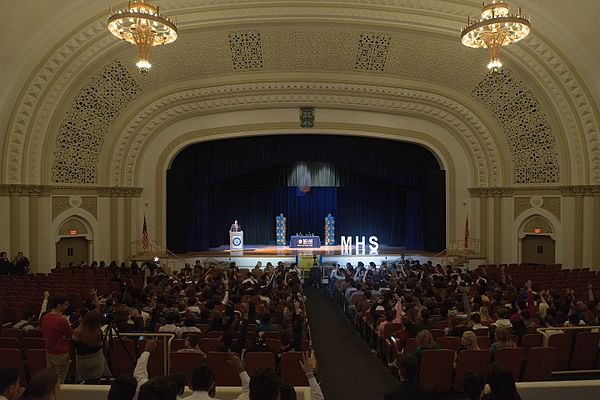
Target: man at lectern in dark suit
pixel 235 227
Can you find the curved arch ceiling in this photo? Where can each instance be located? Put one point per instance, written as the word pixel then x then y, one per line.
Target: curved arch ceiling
pixel 401 43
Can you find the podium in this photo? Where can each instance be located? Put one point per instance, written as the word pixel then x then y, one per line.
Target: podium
pixel 236 241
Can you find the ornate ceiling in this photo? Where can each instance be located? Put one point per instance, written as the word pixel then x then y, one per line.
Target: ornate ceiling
pixel 76 111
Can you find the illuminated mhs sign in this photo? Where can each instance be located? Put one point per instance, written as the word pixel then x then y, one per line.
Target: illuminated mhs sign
pixel 360 244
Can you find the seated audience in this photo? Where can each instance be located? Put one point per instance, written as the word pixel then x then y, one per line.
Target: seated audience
pixel 503 339
pixel 159 388
pixel 502 384
pixel 424 342
pixel 474 385
pixel 123 387
pixel 43 385
pixel 189 325
pixel 10 388
pixel 410 387
pixel 468 341
pixel 191 346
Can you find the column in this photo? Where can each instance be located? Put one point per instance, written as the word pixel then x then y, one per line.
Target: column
pixel 497 228
pixel 483 226
pixel 127 235
pixel 114 228
pixel 578 229
pixel 15 214
pixel 34 231
pixel 596 232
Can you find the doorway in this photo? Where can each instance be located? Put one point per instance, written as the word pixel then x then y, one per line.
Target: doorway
pixel 72 250
pixel 538 249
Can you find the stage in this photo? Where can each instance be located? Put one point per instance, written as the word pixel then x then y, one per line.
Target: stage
pixel 330 255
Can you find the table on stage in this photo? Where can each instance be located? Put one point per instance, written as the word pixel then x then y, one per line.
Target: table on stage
pixel 305 242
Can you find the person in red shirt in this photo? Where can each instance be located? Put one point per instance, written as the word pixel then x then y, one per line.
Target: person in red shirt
pixel 57 333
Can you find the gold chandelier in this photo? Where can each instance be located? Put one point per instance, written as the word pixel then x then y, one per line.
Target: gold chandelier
pixel 142 24
pixel 496 28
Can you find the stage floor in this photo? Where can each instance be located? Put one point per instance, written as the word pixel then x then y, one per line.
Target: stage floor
pixel 330 255
pixel 271 250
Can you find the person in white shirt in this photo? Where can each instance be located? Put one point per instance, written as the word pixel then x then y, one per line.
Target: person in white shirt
pixel 191 346
pixel 235 227
pixel 189 326
pixel 9 384
pixel 170 326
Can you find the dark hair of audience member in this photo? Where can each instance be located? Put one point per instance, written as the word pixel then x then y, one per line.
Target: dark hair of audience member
pixel 158 388
pixel 8 377
pixel 43 384
pixel 122 388
pixel 264 385
pixel 58 300
pixel 408 367
pixel 203 379
pixel 193 340
pixel 287 392
pixel 179 380
pixel 502 384
pixel 473 385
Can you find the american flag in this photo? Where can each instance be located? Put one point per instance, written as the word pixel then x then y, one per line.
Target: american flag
pixel 145 241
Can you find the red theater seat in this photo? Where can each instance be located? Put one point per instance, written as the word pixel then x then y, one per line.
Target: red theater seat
pixel 436 369
pixel 449 342
pixel 225 374
pixel 36 360
pixel 584 350
pixel 255 360
pixel 562 342
pixel 470 360
pixel 511 358
pixel 186 363
pixel 291 371
pixel 539 364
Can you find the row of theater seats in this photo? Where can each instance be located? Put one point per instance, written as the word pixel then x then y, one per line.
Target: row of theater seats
pixel 534 360
pixel 20 293
pixel 544 277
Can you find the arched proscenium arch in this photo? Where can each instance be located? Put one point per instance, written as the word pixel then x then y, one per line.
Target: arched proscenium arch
pixel 39 100
pixel 472 131
pixel 190 138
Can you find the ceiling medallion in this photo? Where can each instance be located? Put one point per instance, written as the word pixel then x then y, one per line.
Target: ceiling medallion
pixel 496 28
pixel 141 24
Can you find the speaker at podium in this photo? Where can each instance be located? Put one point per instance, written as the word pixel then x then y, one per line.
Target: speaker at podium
pixel 236 241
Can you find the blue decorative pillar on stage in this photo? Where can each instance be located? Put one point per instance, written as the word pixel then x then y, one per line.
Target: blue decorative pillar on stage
pixel 280 229
pixel 329 230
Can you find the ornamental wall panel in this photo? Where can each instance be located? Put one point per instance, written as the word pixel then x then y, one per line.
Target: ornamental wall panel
pixel 526 127
pixel 81 133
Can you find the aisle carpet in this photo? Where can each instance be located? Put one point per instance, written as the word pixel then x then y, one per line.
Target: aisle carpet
pixel 347 368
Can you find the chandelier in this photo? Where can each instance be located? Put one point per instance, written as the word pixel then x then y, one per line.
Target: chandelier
pixel 142 25
pixel 496 28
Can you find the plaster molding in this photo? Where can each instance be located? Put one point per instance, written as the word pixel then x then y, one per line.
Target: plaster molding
pixel 30 117
pixel 72 223
pixel 574 102
pixel 583 190
pixel 521 204
pixel 102 191
pixel 29 123
pixel 232 131
pixel 473 131
pixel 553 206
pixel 59 205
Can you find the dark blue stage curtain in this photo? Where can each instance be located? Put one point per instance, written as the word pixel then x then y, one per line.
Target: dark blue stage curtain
pixel 390 189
